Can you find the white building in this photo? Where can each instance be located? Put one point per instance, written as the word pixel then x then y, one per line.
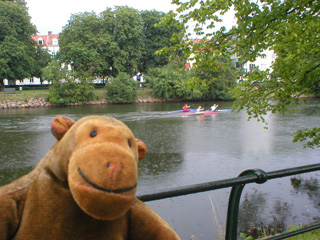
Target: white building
pixel 49 42
pixel 263 62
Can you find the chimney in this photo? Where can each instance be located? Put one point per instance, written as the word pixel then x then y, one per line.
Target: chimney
pixel 49 33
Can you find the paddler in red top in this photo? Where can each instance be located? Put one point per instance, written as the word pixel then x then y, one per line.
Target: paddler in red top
pixel 186 108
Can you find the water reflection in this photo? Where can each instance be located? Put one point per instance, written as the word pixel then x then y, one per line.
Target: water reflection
pixel 309 187
pixel 258 219
pixel 261 216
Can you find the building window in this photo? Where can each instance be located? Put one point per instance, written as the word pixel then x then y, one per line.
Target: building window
pixel 54 41
pixel 238 65
pixel 263 56
pixel 252 67
pixel 40 42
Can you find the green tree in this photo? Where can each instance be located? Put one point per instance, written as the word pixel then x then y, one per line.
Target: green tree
pixel 17 48
pixel 199 83
pixel 122 89
pixel 65 87
pixel 116 40
pixel 219 77
pixel 173 81
pixel 81 44
pixel 125 28
pixel 155 37
pixel 42 60
pixel 289 28
pixel 103 45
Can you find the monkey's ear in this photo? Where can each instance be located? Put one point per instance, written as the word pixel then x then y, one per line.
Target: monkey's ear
pixel 60 125
pixel 142 149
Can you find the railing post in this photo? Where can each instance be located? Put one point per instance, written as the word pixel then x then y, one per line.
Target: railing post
pixel 234 202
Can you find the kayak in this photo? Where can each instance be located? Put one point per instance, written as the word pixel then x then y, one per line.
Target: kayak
pixel 204 112
pixel 190 110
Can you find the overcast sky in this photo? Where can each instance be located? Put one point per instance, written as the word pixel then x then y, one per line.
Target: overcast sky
pixel 53 15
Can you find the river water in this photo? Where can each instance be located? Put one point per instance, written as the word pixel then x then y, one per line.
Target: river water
pixel 185 150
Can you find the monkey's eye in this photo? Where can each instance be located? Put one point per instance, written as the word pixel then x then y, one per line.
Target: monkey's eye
pixel 129 143
pixel 93 133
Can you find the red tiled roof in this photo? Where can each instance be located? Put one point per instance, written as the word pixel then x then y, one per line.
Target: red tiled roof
pixel 47 39
pixel 196 40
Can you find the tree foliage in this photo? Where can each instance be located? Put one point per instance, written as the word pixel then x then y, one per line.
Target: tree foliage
pixel 80 44
pixel 121 89
pixel 125 28
pixel 17 49
pixel 65 87
pixel 42 59
pixel 117 40
pixel 173 81
pixel 289 28
pixel 156 37
pixel 167 82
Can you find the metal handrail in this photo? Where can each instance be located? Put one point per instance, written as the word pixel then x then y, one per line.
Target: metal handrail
pixel 237 184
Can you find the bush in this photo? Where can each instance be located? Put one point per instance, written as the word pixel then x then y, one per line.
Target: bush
pixel 199 83
pixel 122 89
pixel 167 81
pixel 67 90
pixel 162 82
pixel 70 92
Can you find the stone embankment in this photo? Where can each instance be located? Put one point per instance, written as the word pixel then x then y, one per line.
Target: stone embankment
pixel 30 103
pixel 38 102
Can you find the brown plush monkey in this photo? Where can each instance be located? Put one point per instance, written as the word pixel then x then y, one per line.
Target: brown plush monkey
pixel 83 188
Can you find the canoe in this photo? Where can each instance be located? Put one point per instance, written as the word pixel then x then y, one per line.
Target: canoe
pixel 204 112
pixel 190 110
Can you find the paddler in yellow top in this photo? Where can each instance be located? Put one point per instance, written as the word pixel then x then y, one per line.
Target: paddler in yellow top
pixel 199 109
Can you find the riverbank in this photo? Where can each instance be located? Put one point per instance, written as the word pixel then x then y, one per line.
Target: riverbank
pixel 38 102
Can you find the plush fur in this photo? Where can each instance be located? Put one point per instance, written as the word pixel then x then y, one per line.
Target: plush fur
pixel 83 188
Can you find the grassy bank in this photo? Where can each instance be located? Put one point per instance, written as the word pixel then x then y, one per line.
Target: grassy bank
pixel 312 235
pixel 24 95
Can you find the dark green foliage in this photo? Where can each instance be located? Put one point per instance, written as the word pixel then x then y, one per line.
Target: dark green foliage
pixel 65 89
pixel 70 92
pixel 122 89
pixel 163 82
pixel 173 81
pixel 117 40
pixel 166 81
pixel 42 59
pixel 17 49
pixel 155 37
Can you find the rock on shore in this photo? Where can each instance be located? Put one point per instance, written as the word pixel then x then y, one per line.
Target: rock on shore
pixel 38 102
pixel 30 103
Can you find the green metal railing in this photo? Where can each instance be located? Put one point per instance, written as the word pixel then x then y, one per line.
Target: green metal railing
pixel 237 184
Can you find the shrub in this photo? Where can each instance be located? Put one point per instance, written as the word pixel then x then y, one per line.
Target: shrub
pixel 167 81
pixel 67 90
pixel 70 92
pixel 122 89
pixel 199 83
